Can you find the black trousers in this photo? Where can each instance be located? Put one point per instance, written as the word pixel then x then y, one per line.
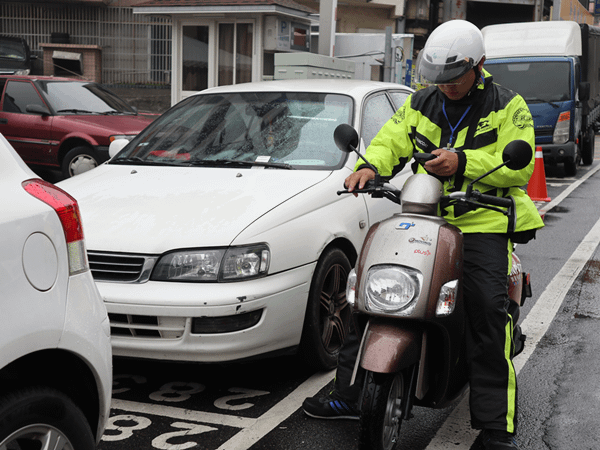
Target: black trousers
pixel 492 378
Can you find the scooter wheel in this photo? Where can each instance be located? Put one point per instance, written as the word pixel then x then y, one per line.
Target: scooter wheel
pixel 381 411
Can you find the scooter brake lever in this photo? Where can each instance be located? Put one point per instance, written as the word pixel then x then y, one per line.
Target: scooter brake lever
pixel 422 158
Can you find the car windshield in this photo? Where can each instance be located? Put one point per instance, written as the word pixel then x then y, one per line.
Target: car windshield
pixel 76 97
pixel 12 49
pixel 271 129
pixel 537 82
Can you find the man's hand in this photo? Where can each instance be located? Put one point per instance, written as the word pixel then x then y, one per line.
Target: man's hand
pixel 359 178
pixel 444 165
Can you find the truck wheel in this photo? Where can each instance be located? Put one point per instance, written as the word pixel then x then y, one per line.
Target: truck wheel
pixel 33 417
pixel 381 411
pixel 587 148
pixel 78 160
pixel 327 313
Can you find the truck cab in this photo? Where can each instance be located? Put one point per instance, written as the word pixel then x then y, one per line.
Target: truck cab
pixel 552 66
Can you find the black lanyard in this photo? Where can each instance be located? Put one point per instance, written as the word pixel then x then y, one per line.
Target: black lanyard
pixel 453 128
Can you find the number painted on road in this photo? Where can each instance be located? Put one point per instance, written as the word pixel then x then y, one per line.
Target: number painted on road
pixel 176 392
pixel 135 378
pixel 161 442
pixel 125 425
pixel 223 402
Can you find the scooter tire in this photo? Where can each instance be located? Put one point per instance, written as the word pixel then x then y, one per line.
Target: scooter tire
pixel 381 411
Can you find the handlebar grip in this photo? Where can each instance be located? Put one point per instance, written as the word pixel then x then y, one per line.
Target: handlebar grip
pixel 503 202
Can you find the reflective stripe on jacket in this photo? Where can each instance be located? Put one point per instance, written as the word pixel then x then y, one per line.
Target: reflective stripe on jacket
pixel 496 116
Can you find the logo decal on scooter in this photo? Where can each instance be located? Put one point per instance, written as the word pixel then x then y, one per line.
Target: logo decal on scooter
pixel 405 226
pixel 424 240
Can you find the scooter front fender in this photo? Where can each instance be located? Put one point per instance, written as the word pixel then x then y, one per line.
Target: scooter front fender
pixel 388 348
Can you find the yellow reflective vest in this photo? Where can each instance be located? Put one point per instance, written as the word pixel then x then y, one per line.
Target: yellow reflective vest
pixel 478 127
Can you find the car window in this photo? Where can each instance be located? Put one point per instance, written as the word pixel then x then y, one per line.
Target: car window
pixel 398 97
pixel 291 128
pixel 75 97
pixel 18 95
pixel 377 111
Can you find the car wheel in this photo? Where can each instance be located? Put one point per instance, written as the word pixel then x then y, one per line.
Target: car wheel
pixel 41 417
pixel 328 313
pixel 78 160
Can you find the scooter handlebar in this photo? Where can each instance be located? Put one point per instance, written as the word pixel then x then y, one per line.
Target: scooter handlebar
pixel 503 202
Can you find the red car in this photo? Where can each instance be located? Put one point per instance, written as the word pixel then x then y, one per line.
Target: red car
pixel 64 123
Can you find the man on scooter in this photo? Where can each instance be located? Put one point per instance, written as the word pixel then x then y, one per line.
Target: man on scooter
pixel 466 121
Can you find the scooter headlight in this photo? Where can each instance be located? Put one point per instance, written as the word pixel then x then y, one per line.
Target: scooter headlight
pixel 392 289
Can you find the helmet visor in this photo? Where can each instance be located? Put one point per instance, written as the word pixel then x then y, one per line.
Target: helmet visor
pixel 434 67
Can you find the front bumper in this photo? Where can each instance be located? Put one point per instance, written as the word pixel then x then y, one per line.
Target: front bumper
pixel 154 320
pixel 557 153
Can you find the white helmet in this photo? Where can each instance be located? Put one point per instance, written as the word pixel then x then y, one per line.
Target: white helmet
pixel 454 48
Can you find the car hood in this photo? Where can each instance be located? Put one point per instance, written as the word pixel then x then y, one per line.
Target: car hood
pixel 156 209
pixel 112 124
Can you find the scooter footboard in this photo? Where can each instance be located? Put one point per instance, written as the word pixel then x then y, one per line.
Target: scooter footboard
pixel 388 348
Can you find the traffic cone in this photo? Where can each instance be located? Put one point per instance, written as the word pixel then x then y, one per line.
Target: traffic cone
pixel 536 188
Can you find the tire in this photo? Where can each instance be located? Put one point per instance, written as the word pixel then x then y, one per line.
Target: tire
pixel 328 313
pixel 587 150
pixel 78 160
pixel 381 411
pixel 30 416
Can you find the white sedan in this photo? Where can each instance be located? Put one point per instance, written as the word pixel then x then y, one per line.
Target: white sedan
pixel 217 234
pixel 55 358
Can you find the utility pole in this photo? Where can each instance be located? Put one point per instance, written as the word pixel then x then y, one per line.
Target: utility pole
pixel 327 20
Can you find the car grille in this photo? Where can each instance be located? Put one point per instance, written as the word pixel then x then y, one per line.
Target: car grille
pixel 146 326
pixel 119 267
pixel 544 133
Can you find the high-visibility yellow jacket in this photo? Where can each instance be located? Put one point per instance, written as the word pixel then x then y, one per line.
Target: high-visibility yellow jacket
pixel 492 116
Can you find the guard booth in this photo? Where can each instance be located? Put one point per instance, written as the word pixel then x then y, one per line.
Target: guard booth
pixel 216 45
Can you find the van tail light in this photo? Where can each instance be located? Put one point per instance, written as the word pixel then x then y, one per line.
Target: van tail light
pixel 68 212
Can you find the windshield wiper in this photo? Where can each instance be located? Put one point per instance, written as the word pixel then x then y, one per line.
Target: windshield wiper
pixel 142 162
pixel 233 162
pixel 76 111
pixel 114 113
pixel 539 100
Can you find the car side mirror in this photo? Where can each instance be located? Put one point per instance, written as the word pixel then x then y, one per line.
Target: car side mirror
pixel 37 109
pixel 116 146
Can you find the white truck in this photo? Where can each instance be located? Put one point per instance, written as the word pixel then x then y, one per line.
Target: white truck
pixel 555 66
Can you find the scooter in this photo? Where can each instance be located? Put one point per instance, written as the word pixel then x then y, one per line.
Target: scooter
pixel 406 292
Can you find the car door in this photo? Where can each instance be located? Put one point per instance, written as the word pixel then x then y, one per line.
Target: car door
pixel 30 134
pixel 377 110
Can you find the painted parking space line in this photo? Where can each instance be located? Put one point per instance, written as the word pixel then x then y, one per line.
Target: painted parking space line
pixel 182 413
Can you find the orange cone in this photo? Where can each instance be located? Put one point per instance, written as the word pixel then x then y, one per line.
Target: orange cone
pixel 536 188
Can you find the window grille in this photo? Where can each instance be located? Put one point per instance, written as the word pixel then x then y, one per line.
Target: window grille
pixel 136 49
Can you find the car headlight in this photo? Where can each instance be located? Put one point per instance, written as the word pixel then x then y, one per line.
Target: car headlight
pixel 392 289
pixel 129 137
pixel 234 263
pixel 22 72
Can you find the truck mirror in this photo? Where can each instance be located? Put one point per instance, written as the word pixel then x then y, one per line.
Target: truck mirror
pixel 584 91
